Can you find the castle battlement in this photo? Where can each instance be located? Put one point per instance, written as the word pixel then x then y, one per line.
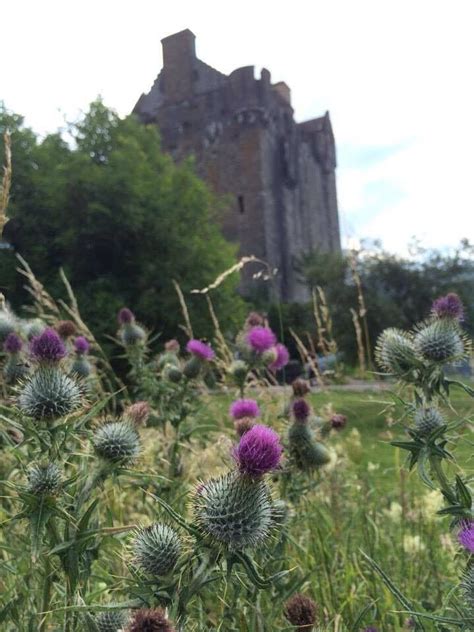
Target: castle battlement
pixel 278 175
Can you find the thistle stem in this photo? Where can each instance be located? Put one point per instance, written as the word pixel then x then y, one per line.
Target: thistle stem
pixel 46 598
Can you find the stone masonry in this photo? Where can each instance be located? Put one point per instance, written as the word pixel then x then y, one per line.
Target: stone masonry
pixel 277 176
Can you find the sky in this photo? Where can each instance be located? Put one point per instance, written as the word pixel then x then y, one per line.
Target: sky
pixel 395 75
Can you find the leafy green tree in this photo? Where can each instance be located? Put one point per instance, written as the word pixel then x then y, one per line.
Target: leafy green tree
pixel 121 219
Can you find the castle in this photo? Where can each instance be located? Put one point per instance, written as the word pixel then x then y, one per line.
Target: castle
pixel 278 176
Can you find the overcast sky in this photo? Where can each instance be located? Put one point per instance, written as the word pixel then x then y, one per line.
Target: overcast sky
pixel 396 76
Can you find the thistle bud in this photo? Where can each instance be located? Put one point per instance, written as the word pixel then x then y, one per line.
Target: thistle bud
pixel 427 420
pixel 132 334
pixel 243 425
pixel 111 621
pixel 338 421
pixel 33 328
pixel 15 368
pixel 440 341
pixel 81 367
pixel 138 413
pixel 282 358
pixel 7 323
pixel 44 479
pixel 49 394
pixel 157 549
pixel 174 374
pixel 300 611
pixel 66 329
pixel 395 352
pixel 269 356
pixel 150 621
pixel 117 442
pixel 234 511
pixel 192 368
pixel 239 370
pixel 167 358
pixel 300 387
pixel 301 410
pixel 306 452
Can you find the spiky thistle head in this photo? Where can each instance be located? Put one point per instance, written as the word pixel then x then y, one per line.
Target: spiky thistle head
pixel 81 366
pixel 111 621
pixel 138 413
pixel 13 343
pixel 300 387
pixel 440 341
pixel 449 306
pixel 258 451
pixel 233 511
pixel 239 370
pixel 66 328
pixel 49 394
pixel 47 348
pixel 282 358
pixel 132 334
pixel 395 352
pixel 44 479
pixel 117 442
pixel 300 611
pixel 81 345
pixel 428 419
pixel 301 410
pixel 466 535
pixel 244 408
pixel 307 453
pixel 260 339
pixel 150 620
pixel 157 549
pixel 200 349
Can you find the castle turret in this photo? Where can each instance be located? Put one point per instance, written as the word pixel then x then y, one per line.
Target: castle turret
pixel 179 60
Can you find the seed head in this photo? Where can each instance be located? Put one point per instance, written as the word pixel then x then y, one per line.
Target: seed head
pixel 172 346
pixel 66 328
pixel 243 425
pixel 300 387
pixel 47 347
pixel 300 611
pixel 150 621
pixel 258 452
pixel 157 549
pixel 261 339
pixel 254 319
pixel 138 413
pixel 117 442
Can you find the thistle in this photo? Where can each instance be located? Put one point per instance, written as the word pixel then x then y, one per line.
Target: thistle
pixel 260 339
pixel 174 374
pixel 449 306
pixel 239 371
pixel 44 479
pixel 129 333
pixel 150 620
pixel 306 452
pixel 7 323
pixel 49 394
pixel 466 536
pixel 234 511
pixel 47 348
pixel 301 410
pixel 66 329
pixel 282 358
pixel 300 611
pixel 15 368
pixel 117 442
pixel 427 420
pixel 395 352
pixel 244 408
pixel 33 328
pixel 440 341
pixel 258 452
pixel 81 365
pixel 300 387
pixel 138 413
pixel 111 621
pixel 157 549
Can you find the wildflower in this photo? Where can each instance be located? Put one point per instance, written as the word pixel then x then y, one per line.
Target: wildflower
pixel 301 612
pixel 111 621
pixel 427 420
pixel 66 328
pixel 431 503
pixel 81 345
pixel 338 421
pixel 440 341
pixel 125 316
pixel 150 620
pixel 138 413
pixel 157 549
pixel 49 394
pixel 282 358
pixel 200 349
pixel 47 347
pixel 301 410
pixel 466 536
pixel 412 544
pixel 258 452
pixel 395 352
pixel 300 387
pixel 44 479
pixel 261 339
pixel 13 343
pixel 449 306
pixel 244 408
pixel 130 333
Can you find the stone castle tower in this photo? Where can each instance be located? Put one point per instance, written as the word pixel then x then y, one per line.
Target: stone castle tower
pixel 278 176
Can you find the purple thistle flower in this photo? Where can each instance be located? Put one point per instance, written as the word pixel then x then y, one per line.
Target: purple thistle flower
pixel 466 536
pixel 301 409
pixel 125 316
pixel 81 345
pixel 13 343
pixel 261 339
pixel 200 349
pixel 259 451
pixel 282 358
pixel 47 347
pixel 244 408
pixel 449 306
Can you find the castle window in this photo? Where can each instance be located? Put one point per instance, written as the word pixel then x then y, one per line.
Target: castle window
pixel 240 201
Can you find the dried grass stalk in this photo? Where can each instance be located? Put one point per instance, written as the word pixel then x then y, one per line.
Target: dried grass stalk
pixel 184 308
pixel 223 276
pixel 362 305
pixel 6 181
pixel 359 338
pixel 306 357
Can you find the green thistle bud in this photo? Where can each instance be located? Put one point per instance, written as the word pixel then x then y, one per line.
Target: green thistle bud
pixel 395 352
pixel 111 621
pixel 172 373
pixel 14 370
pixel 440 341
pixel 117 442
pixel 32 328
pixel 427 420
pixel 269 356
pixel 132 334
pixel 234 511
pixel 44 479
pixel 192 368
pixel 81 366
pixel 49 394
pixel 157 549
pixel 306 452
pixel 167 358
